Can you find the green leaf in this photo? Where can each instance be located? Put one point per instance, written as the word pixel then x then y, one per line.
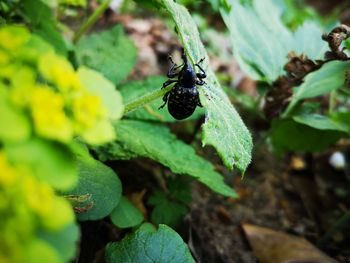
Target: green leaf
pixel 125 214
pixel 49 161
pixel 330 77
pixel 289 135
pixel 261 42
pixel 43 23
pixel 320 122
pixel 102 183
pixel 109 52
pixel 14 125
pixel 141 139
pixel 223 128
pixel 98 85
pixel 133 90
pixel 147 245
pixel 64 241
pixel 259 38
pixel 307 40
pixel 166 211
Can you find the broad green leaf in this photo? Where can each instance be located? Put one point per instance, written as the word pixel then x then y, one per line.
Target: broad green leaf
pixel 109 52
pixel 99 85
pixel 102 183
pixel 320 122
pixel 223 127
pixel 64 241
pixel 259 38
pixel 133 90
pixel 125 214
pixel 48 161
pixel 14 125
pixel 141 139
pixel 148 245
pixel 307 40
pixel 166 211
pixel 288 135
pixel 261 42
pixel 330 77
pixel 43 23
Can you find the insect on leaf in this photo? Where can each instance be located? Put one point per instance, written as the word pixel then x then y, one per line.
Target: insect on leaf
pixel 223 127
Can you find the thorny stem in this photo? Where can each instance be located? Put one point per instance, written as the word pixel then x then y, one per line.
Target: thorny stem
pixel 133 105
pixel 91 20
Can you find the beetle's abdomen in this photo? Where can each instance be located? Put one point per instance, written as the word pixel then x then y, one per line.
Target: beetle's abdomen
pixel 182 102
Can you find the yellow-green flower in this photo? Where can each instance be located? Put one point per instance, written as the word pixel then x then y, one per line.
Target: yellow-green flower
pixel 57 70
pixel 13 37
pixel 50 120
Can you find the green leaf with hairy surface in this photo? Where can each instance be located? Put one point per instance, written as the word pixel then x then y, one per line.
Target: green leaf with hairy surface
pixel 102 87
pixel 43 23
pixel 148 245
pixel 141 139
pixel 166 211
pixel 48 161
pixel 125 214
pixel 102 183
pixel 330 77
pixel 223 127
pixel 320 122
pixel 133 90
pixel 64 241
pixel 301 137
pixel 261 42
pixel 109 52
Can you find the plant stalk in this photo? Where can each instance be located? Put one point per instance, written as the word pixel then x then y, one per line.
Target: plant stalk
pixel 88 23
pixel 133 105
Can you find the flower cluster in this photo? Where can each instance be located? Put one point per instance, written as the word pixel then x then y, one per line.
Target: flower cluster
pixel 45 86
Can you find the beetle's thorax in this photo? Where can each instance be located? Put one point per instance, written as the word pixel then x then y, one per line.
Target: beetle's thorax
pixel 187 75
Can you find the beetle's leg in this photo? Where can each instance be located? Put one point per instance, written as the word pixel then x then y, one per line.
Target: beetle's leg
pixel 171 73
pixel 199 104
pixel 165 99
pixel 168 82
pixel 200 82
pixel 202 75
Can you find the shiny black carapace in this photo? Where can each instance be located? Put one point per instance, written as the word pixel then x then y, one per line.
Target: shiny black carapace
pixel 183 98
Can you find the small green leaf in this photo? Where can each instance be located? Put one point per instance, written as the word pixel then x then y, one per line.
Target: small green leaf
pixel 64 241
pixel 289 135
pixel 109 52
pixel 102 183
pixel 133 90
pixel 330 77
pixel 125 214
pixel 50 162
pixel 141 139
pixel 148 245
pixel 14 125
pixel 320 122
pixel 223 128
pixel 99 85
pixel 166 211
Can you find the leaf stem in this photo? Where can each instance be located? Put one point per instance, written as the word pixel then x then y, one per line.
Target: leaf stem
pixel 332 101
pixel 88 23
pixel 133 105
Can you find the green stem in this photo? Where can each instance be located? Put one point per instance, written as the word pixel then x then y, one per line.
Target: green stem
pixel 332 101
pixel 337 227
pixel 145 99
pixel 91 20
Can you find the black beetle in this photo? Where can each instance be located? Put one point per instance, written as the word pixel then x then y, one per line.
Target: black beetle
pixel 183 98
